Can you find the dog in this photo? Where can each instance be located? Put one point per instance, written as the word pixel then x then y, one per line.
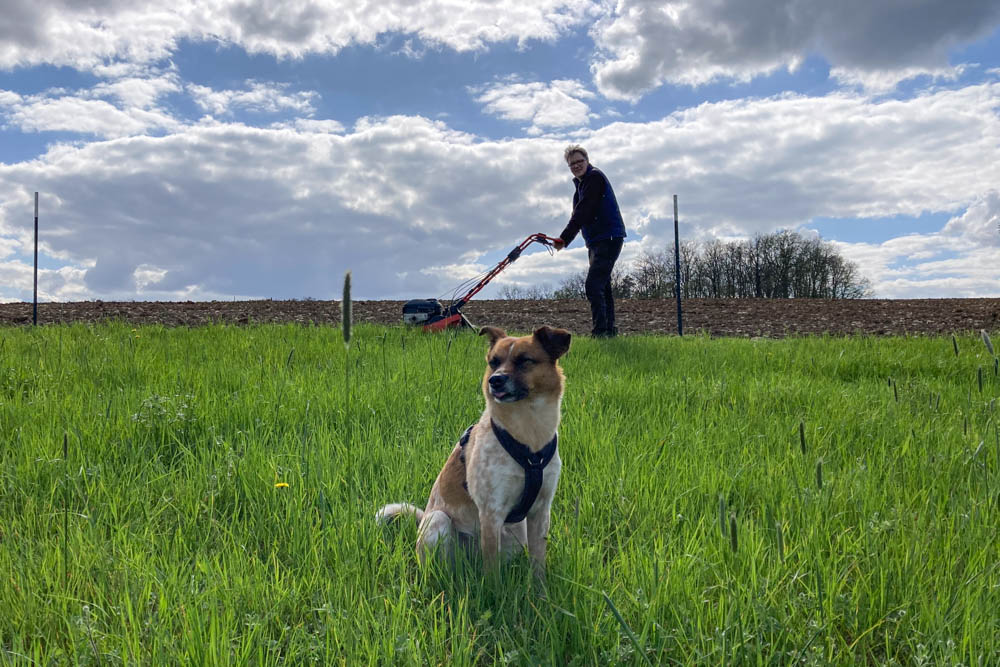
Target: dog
pixel 498 483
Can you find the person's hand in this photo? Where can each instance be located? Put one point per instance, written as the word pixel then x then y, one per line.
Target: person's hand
pixel 558 244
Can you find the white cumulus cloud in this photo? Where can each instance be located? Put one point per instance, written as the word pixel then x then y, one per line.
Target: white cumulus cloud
pixel 962 260
pixel 222 209
pixel 544 105
pixel 124 107
pixel 257 96
pixel 90 35
pixel 81 115
pixel 646 43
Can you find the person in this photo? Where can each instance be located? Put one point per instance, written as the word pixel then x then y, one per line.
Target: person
pixel 597 216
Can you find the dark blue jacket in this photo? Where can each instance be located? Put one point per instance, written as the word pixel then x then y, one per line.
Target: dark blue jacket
pixel 595 210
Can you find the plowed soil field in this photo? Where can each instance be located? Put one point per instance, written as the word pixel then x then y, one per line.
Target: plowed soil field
pixel 716 317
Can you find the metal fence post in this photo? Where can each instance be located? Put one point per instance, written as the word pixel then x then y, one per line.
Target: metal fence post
pixel 677 271
pixel 34 313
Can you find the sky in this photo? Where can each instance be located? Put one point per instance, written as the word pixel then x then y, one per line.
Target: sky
pixel 253 149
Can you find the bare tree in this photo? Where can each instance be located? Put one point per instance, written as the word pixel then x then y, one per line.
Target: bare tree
pixel 713 264
pixel 531 292
pixel 623 285
pixel 574 287
pixel 781 265
pixel 690 262
pixel 653 275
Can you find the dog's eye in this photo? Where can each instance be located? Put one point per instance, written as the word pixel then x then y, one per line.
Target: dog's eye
pixel 525 362
pixel 494 362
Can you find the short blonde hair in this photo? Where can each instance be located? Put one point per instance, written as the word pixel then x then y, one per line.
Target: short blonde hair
pixel 575 148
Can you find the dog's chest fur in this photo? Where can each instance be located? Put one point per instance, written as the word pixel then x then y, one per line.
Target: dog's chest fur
pixel 482 475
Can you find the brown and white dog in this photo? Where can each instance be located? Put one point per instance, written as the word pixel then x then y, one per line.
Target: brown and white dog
pixel 483 491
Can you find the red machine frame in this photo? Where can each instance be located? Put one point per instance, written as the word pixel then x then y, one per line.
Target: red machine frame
pixel 452 315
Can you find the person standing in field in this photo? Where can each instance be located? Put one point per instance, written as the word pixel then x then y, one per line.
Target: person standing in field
pixel 597 216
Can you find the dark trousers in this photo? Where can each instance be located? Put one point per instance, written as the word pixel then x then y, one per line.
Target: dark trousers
pixel 602 255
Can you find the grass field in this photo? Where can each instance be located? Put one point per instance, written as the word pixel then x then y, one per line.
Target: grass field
pixel 206 496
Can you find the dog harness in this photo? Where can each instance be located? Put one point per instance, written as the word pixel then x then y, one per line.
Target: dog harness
pixel 532 462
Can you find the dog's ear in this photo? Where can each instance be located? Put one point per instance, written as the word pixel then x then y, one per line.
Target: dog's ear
pixel 555 342
pixel 494 334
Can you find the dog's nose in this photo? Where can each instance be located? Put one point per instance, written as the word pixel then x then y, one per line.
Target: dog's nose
pixel 497 381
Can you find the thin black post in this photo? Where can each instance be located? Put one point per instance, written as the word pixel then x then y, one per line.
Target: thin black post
pixel 677 271
pixel 34 315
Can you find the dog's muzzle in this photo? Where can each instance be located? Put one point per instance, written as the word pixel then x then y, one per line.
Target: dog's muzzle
pixel 503 388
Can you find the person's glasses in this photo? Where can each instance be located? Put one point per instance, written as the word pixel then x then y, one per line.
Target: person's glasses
pixel 576 162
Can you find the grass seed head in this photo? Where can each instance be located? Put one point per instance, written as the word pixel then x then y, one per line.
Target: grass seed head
pixel 345 310
pixel 988 342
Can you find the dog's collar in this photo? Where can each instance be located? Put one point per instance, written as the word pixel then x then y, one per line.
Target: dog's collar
pixel 533 464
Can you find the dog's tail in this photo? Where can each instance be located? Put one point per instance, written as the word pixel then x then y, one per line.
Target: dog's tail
pixel 389 513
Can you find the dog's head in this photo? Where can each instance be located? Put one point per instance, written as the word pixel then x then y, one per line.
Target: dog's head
pixel 518 368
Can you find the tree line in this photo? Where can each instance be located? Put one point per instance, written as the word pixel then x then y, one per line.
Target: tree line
pixel 781 265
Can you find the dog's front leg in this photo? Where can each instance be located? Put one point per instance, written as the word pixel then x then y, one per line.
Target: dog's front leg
pixel 538 530
pixel 491 527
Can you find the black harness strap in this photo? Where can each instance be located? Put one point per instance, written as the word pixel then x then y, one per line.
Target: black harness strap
pixel 533 464
pixel 462 442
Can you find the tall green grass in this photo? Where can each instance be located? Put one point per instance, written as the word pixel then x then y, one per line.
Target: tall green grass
pixel 206 496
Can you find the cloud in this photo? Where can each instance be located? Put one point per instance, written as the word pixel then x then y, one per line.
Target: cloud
pixel 222 209
pixel 646 43
pixel 259 97
pixel 132 106
pixel 75 114
pixel 958 261
pixel 141 89
pixel 885 81
pixel 310 125
pixel 755 165
pixel 92 35
pixel 126 107
pixel 556 104
pixel 978 228
pixel 64 284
